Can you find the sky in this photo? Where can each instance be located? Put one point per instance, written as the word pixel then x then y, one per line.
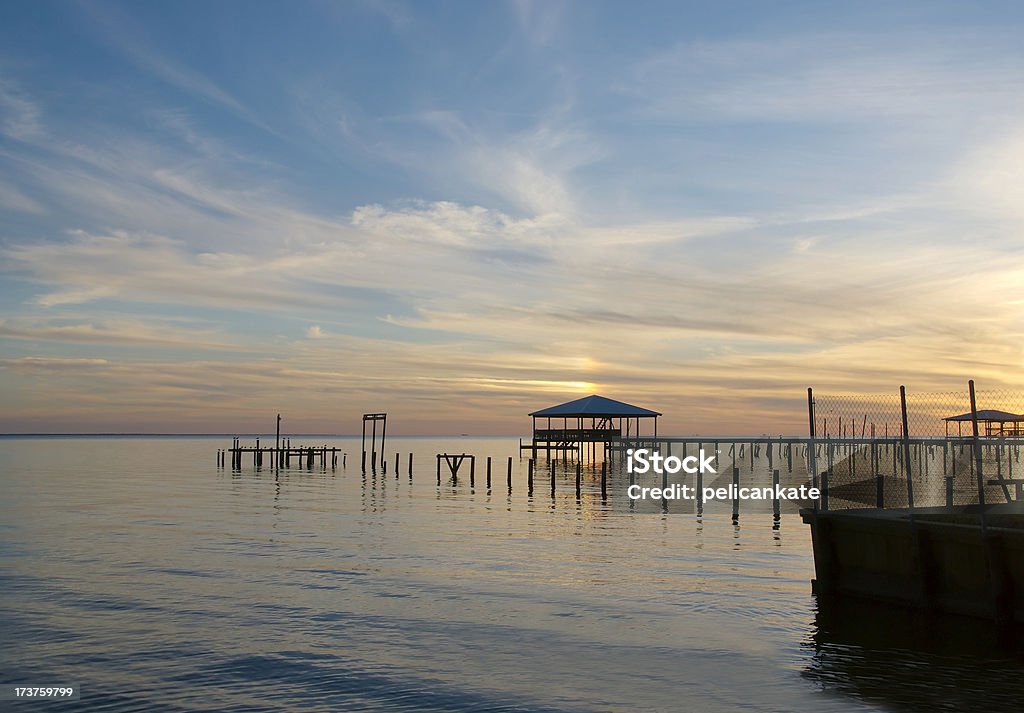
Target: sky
pixel 457 213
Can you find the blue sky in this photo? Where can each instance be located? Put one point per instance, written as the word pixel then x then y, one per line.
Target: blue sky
pixel 460 212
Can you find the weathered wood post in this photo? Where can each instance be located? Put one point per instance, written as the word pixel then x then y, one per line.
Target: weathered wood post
pixel 604 480
pixel 397 456
pixel 410 465
pixel 438 468
pixel 488 472
pixel 700 491
pixel 472 470
pixel 735 493
pixel 529 477
pixel 553 477
pixel 579 473
pixel 776 505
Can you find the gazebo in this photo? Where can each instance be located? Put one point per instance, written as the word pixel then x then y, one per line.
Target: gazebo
pixel 994 421
pixel 591 419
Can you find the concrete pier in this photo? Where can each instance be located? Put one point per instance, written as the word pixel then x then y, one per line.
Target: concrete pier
pixel 939 559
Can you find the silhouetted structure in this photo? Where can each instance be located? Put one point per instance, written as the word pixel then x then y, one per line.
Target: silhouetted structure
pixel 589 420
pixel 994 422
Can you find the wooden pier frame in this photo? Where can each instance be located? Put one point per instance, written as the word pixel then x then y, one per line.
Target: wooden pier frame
pixel 307 456
pixel 454 462
pixel 374 418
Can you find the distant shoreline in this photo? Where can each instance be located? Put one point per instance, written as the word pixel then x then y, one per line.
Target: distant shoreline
pixel 230 435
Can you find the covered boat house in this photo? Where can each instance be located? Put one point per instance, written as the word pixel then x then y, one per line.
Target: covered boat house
pixel 582 424
pixel 991 422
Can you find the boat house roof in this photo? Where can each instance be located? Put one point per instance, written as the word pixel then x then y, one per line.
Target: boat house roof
pixel 990 415
pixel 594 405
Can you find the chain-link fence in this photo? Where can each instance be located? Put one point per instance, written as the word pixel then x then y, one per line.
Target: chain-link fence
pixel 863 459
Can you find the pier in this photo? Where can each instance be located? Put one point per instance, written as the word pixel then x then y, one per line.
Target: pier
pixel 305 456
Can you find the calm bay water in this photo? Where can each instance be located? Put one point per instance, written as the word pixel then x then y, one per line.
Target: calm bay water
pixel 138 570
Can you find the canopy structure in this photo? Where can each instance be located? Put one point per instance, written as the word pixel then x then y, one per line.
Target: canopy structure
pixel 595 406
pixel 591 419
pixel 994 422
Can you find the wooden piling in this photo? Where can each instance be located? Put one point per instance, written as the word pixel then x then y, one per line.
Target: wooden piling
pixel 510 472
pixel 397 456
pixel 776 505
pixel 438 468
pixel 579 473
pixel 410 465
pixel 604 480
pixel 735 493
pixel 553 477
pixel 472 470
pixel 700 491
pixel 529 477
pixel 488 472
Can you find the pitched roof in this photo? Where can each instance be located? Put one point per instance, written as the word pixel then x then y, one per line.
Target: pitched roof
pixel 594 406
pixel 992 415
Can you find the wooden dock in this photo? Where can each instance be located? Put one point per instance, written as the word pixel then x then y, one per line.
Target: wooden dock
pixel 304 456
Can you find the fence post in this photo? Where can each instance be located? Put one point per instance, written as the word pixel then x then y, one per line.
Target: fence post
pixel 977 455
pixel 907 460
pixel 812 450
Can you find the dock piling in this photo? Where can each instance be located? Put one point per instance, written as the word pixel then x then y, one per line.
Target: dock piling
pixel 735 493
pixel 776 505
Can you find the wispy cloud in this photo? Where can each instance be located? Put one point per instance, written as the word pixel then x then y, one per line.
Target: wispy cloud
pixel 120 31
pixel 20 116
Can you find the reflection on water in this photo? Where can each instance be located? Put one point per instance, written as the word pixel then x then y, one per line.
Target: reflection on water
pixel 154 580
pixel 911 660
